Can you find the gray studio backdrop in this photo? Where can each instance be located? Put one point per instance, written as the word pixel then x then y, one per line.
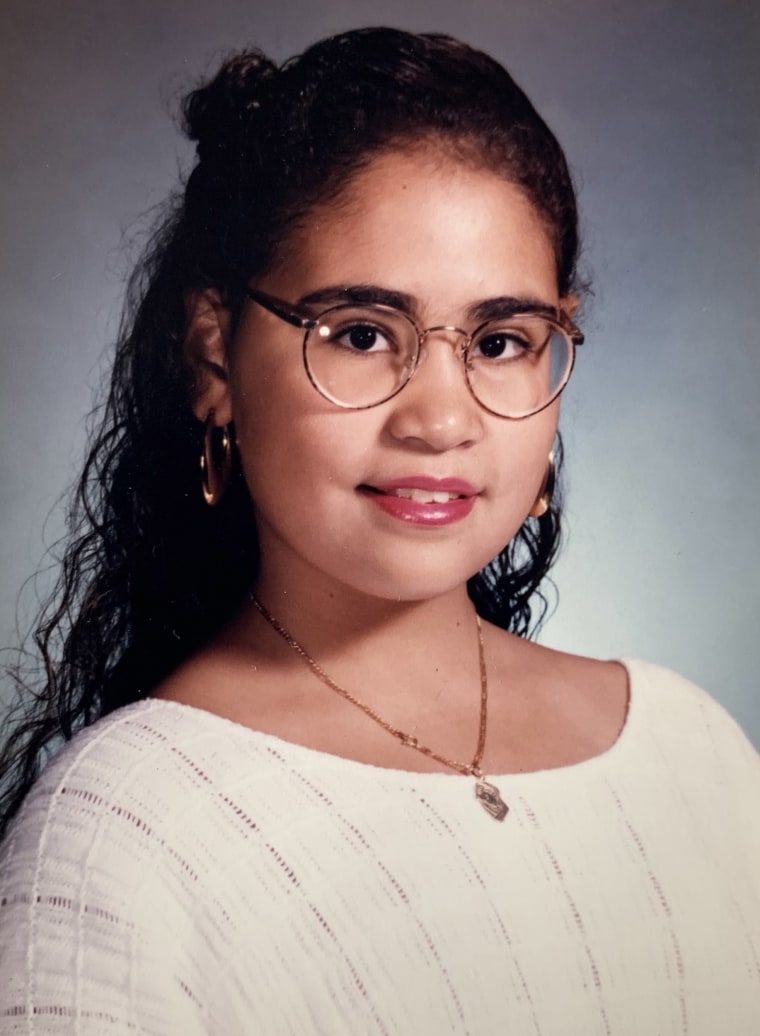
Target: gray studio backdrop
pixel 656 104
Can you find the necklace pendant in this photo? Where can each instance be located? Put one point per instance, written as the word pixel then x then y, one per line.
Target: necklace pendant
pixel 490 799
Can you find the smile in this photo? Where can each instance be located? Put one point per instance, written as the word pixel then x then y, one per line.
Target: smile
pixel 424 496
pixel 423 501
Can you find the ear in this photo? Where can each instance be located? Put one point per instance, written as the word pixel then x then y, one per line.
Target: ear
pixel 569 304
pixel 207 341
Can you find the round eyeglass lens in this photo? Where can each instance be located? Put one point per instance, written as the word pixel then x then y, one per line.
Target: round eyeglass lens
pixel 516 367
pixel 359 356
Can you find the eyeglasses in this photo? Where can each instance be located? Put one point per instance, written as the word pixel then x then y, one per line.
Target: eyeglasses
pixel 359 356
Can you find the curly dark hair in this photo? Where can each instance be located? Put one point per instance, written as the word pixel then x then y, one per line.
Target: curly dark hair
pixel 150 572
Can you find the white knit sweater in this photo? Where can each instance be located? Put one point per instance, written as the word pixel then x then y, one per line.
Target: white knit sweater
pixel 175 873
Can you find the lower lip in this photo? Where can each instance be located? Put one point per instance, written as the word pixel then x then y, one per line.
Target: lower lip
pixel 423 514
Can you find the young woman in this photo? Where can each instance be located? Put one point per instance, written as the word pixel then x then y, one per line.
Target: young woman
pixel 332 786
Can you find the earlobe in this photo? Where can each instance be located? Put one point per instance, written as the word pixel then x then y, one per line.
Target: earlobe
pixel 207 340
pixel 544 499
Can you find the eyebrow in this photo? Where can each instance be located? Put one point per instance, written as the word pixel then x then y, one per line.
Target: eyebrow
pixel 508 306
pixel 372 294
pixel 361 295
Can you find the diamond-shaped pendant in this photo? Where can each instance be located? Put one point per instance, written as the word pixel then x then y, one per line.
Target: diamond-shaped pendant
pixel 490 799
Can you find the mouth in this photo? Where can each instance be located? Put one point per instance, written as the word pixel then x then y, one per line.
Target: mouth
pixel 424 488
pixel 420 500
pixel 420 496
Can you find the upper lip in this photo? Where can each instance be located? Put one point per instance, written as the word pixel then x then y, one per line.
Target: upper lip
pixel 433 485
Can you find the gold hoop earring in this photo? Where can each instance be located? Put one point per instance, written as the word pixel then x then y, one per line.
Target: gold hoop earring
pixel 216 461
pixel 544 498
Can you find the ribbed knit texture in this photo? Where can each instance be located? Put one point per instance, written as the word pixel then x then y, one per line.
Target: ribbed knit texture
pixel 175 873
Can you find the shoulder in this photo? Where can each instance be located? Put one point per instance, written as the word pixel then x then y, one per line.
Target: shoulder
pixel 123 833
pixel 674 713
pixel 681 746
pixel 667 697
pixel 651 711
pixel 134 745
pixel 117 789
pixel 554 709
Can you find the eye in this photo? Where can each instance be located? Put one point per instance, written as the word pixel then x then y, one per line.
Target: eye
pixel 504 344
pixel 363 338
pixel 352 333
pixel 523 337
pixel 362 331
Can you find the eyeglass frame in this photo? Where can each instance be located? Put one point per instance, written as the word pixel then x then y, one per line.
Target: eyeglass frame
pixel 297 316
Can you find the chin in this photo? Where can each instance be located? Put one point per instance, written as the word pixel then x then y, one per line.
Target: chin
pixel 420 579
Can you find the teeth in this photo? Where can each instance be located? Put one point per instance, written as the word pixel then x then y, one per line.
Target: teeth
pixel 425 496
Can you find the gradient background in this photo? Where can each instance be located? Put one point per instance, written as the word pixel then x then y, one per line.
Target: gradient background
pixel 656 104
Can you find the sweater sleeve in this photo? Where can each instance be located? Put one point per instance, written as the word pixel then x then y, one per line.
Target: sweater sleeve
pixel 92 925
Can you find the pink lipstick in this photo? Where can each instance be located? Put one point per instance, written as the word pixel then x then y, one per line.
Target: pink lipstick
pixel 422 500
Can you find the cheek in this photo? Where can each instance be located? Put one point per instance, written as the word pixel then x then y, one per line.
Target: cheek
pixel 269 394
pixel 294 447
pixel 524 456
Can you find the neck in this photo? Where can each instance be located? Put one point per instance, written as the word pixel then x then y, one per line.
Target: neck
pixel 414 661
pixel 443 617
pixel 333 621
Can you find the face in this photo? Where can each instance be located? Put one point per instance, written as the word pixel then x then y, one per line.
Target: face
pixel 331 487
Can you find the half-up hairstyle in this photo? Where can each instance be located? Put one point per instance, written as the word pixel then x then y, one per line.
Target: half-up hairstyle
pixel 150 572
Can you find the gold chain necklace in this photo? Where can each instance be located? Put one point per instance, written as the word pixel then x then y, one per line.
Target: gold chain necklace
pixel 487 794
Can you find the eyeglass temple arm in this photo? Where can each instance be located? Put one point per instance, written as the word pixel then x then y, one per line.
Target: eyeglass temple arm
pixel 280 309
pixel 576 335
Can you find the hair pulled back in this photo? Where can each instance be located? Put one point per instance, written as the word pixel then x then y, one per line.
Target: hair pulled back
pixel 273 143
pixel 150 572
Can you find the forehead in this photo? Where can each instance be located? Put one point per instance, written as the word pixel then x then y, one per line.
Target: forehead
pixel 431 227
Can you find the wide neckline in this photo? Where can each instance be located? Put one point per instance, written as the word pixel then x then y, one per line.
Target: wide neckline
pixel 311 757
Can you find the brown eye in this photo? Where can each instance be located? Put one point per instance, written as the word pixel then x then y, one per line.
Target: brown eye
pixel 358 333
pixel 501 345
pixel 364 338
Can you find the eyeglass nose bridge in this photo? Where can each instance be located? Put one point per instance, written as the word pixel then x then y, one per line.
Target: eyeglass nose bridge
pixel 422 337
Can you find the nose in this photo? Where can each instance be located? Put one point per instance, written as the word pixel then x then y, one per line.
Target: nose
pixel 435 410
